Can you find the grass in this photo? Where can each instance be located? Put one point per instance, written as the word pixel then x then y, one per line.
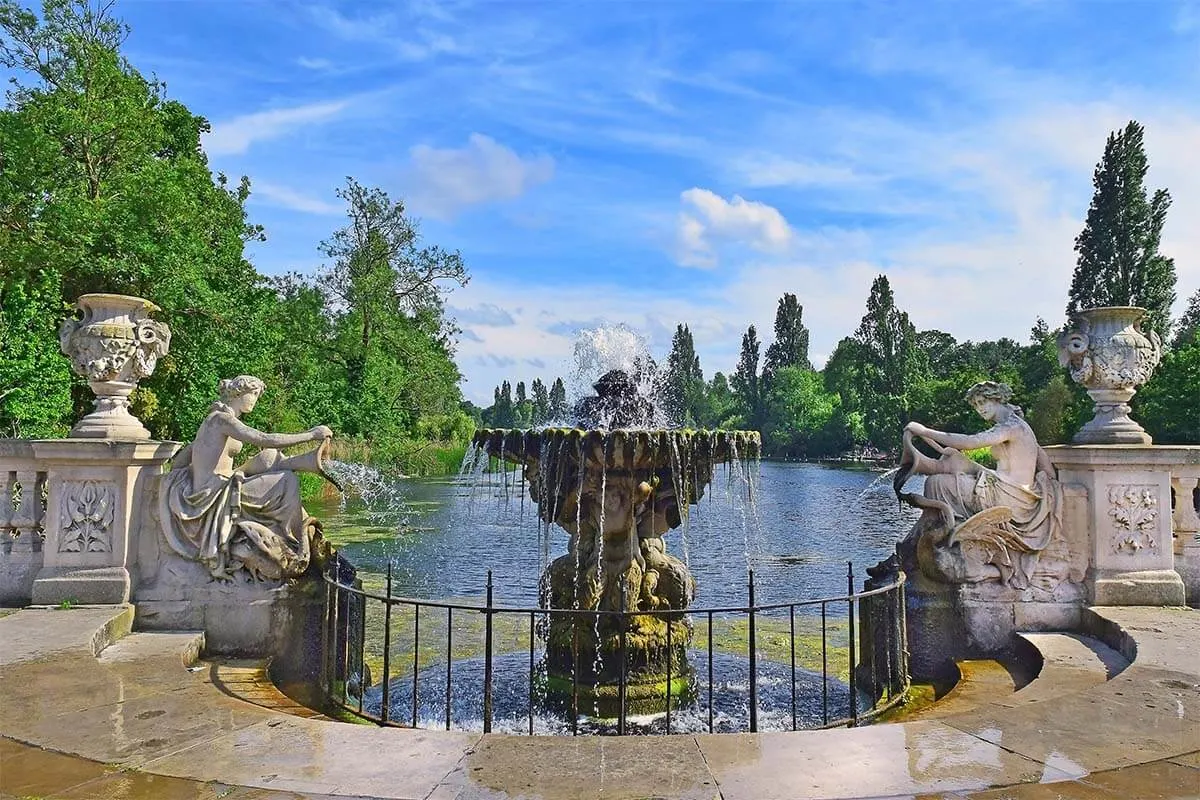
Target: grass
pixel 67 604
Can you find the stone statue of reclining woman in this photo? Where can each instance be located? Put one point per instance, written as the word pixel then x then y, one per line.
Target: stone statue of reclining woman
pixel 981 524
pixel 250 518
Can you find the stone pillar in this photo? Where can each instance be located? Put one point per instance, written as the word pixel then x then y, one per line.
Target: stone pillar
pixel 1128 518
pixel 94 505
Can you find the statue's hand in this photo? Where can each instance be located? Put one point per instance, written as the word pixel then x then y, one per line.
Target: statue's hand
pixel 916 429
pixel 321 432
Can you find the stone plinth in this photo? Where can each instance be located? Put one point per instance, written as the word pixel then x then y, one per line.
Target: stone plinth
pixel 93 510
pixel 1128 518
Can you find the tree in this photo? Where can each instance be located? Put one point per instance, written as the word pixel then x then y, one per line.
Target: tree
pixel 541 402
pixel 891 365
pixel 386 295
pixel 790 348
pixel 104 187
pixel 718 403
pixel 1119 263
pixel 1189 323
pixel 1169 404
pixel 745 381
pixel 559 412
pixel 798 411
pixel 683 382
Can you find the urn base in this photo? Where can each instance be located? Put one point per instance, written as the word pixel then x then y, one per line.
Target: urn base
pixel 110 418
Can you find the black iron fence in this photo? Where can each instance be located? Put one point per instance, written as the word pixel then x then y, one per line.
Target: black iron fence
pixel 832 661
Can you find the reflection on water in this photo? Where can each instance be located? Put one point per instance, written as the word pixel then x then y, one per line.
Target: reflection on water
pixel 811 520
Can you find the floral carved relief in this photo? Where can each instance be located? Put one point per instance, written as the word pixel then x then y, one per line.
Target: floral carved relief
pixel 1133 510
pixel 86 517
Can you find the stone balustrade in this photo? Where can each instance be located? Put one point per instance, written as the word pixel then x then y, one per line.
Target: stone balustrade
pixel 71 512
pixel 22 515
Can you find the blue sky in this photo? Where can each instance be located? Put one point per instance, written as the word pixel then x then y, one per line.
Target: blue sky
pixel 662 162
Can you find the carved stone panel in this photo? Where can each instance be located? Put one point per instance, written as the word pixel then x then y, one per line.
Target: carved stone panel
pixel 1133 510
pixel 86 517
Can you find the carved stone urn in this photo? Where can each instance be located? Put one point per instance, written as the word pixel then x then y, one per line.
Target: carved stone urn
pixel 1108 354
pixel 113 344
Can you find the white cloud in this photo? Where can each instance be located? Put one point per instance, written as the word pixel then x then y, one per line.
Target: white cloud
pixel 236 135
pixel 767 169
pixel 447 180
pixel 712 220
pixel 284 197
pixel 316 64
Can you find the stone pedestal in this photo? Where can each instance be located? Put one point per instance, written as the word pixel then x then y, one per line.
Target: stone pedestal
pixel 94 504
pixel 1129 519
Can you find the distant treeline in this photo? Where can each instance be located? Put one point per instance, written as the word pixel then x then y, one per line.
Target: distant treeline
pixel 886 374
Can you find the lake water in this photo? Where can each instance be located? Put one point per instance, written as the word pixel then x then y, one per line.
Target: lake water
pixel 809 521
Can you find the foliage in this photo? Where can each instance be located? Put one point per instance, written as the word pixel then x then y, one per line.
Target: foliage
pixel 746 383
pixel 1169 404
pixel 104 186
pixel 683 382
pixel 1119 263
pixel 790 348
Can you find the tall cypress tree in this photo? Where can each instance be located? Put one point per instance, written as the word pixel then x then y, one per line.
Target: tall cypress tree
pixel 891 364
pixel 745 379
pixel 684 380
pixel 790 348
pixel 1119 263
pixel 558 401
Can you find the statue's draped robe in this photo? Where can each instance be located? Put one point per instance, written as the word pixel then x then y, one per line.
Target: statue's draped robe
pixel 200 522
pixel 1015 545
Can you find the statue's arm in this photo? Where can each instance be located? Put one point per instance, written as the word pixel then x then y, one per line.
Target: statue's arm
pixel 244 433
pixel 997 434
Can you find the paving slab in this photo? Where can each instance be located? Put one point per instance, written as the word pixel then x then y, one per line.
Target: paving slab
pixel 581 768
pixel 317 756
pixel 155 729
pixel 911 758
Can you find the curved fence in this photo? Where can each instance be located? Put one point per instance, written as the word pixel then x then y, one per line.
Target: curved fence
pixel 463 664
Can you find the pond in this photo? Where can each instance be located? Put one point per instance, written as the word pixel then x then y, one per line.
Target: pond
pixel 808 522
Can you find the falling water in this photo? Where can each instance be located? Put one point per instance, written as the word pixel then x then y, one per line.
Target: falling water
pixel 882 482
pixel 382 496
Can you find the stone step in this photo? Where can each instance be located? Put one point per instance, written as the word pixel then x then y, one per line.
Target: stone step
pixel 180 648
pixel 1070 663
pixel 981 682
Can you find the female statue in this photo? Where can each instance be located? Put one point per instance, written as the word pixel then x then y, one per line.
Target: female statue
pixel 248 518
pixel 979 523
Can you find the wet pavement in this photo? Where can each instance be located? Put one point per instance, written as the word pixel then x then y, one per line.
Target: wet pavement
pixel 135 716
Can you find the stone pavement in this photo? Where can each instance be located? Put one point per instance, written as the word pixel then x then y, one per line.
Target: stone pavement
pixel 137 717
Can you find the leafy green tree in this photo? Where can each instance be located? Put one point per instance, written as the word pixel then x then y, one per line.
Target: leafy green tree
pixel 746 382
pixel 392 340
pixel 35 380
pixel 1119 263
pixel 541 402
pixel 104 187
pixel 790 348
pixel 799 411
pixel 559 411
pixel 683 381
pixel 890 365
pixel 718 404
pixel 1189 323
pixel 1169 404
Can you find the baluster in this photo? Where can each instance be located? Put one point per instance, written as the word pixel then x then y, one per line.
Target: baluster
pixel 1187 521
pixel 27 521
pixel 7 479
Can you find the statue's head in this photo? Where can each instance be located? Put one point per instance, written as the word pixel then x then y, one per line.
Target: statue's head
pixel 988 393
pixel 241 393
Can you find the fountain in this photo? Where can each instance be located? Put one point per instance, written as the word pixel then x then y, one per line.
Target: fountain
pixel 616 487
